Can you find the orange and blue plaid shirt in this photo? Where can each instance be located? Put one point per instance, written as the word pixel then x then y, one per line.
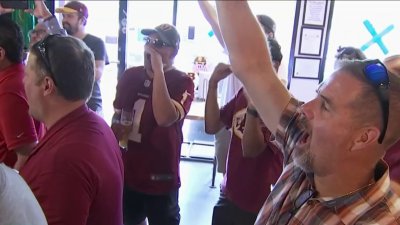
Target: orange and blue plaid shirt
pixel 373 204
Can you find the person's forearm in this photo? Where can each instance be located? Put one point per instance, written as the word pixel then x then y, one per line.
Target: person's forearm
pixel 23 153
pixel 164 110
pixel 211 16
pixel 99 67
pixel 253 142
pixel 211 113
pixel 250 60
pixel 53 26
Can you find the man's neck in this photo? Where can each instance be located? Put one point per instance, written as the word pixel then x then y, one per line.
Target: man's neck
pixel 341 184
pixel 81 34
pixel 5 64
pixel 59 110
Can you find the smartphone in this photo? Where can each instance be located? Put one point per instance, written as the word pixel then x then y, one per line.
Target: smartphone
pixel 15 4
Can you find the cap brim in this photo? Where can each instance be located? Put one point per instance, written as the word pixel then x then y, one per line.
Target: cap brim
pixel 65 10
pixel 148 32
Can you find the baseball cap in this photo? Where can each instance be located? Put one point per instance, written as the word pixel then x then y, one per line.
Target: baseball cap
pixel 74 7
pixel 267 23
pixel 167 33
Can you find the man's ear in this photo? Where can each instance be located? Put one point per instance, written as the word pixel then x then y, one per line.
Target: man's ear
pixel 364 137
pixel 2 54
pixel 48 86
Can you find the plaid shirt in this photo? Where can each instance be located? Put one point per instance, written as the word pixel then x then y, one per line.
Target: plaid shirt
pixel 373 204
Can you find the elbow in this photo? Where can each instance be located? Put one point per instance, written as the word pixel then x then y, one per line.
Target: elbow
pixel 210 129
pixel 166 120
pixel 250 154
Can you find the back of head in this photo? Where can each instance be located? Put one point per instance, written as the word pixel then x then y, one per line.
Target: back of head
pixel 275 50
pixel 268 24
pixel 349 53
pixel 71 65
pixel 369 97
pixel 11 40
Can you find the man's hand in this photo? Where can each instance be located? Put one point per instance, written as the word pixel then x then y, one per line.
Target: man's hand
pixel 220 72
pixel 5 10
pixel 155 58
pixel 40 11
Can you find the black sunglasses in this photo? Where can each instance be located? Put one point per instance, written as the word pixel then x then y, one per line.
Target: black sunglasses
pixel 156 42
pixel 377 75
pixel 42 48
pixel 297 204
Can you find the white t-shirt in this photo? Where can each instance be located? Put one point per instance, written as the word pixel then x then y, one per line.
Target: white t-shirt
pixel 18 205
pixel 231 84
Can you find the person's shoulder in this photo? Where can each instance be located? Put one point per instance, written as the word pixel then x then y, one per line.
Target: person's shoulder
pixel 92 38
pixel 180 75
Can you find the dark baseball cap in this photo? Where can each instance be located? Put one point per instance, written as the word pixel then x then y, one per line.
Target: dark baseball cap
pixel 74 7
pixel 167 33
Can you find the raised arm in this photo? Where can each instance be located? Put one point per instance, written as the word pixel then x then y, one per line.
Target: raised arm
pixel 250 60
pixel 212 118
pixel 253 141
pixel 211 16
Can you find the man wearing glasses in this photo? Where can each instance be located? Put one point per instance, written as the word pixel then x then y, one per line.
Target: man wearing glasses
pixel 159 97
pixel 333 147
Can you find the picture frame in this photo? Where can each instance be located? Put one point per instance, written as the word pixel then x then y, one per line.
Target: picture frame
pixel 310 41
pixel 315 12
pixel 306 68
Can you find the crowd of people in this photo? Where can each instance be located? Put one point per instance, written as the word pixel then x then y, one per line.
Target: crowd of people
pixel 326 161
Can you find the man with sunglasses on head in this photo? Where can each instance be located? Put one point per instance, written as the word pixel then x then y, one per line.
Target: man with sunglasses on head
pixel 333 148
pixel 159 96
pixel 76 170
pixel 75 15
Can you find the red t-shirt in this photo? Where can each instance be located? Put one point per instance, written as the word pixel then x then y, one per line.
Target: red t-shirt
pixel 247 180
pixel 17 128
pixel 152 160
pixel 392 157
pixel 76 171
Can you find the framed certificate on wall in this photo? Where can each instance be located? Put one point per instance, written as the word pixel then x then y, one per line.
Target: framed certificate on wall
pixel 310 41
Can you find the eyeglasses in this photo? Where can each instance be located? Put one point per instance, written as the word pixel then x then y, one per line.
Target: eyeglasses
pixel 297 204
pixel 42 48
pixel 156 42
pixel 377 75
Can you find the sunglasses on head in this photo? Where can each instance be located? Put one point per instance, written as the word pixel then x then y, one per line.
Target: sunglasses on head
pixel 42 48
pixel 377 75
pixel 156 42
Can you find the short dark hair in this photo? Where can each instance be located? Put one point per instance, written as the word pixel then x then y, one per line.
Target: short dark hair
pixel 368 97
pixel 11 39
pixel 275 49
pixel 350 53
pixel 267 23
pixel 71 65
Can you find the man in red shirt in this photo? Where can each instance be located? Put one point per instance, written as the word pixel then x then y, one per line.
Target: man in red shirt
pixel 159 96
pixel 249 172
pixel 76 171
pixel 18 133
